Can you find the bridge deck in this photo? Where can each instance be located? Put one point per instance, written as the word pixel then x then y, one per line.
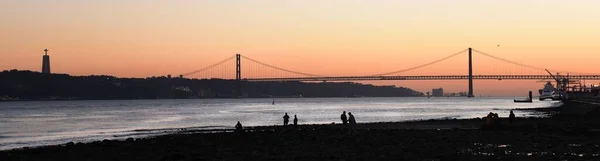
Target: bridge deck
pixel 440 77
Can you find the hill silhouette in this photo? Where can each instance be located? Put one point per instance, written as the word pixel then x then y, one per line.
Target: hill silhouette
pixel 29 85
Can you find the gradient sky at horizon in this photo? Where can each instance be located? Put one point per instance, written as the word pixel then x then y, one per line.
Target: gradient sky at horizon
pixel 141 38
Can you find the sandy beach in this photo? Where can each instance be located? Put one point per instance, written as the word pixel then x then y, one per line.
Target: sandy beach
pixel 572 133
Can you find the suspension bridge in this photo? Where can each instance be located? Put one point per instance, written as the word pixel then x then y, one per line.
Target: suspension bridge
pixel 231 69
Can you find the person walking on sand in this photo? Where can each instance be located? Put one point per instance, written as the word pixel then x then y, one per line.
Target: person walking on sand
pixel 286 119
pixel 295 121
pixel 511 117
pixel 344 118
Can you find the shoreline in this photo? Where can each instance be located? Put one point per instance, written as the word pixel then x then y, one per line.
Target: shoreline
pixel 421 124
pixel 12 141
pixel 571 132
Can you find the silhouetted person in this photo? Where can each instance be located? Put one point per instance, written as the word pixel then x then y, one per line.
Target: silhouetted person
pixel 238 127
pixel 286 119
pixel 489 119
pixel 511 117
pixel 344 118
pixel 295 120
pixel 496 119
pixel 352 120
pixel 273 103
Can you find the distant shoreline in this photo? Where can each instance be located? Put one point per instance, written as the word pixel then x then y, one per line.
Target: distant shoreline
pixel 234 98
pixel 17 84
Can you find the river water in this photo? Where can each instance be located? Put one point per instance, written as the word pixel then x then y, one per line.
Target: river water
pixel 38 123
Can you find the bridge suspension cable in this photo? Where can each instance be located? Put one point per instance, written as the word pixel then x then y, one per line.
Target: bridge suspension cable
pixel 508 61
pixel 278 68
pixel 521 64
pixel 210 66
pixel 423 65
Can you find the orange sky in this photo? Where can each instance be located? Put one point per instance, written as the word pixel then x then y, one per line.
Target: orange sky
pixel 140 38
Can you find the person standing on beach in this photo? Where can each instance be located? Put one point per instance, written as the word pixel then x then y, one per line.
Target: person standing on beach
pixel 344 118
pixel 489 119
pixel 295 121
pixel 511 117
pixel 352 122
pixel 286 119
pixel 238 127
pixel 496 120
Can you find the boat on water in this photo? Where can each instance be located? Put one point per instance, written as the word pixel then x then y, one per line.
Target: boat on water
pixel 548 92
pixel 523 100
pixel 527 100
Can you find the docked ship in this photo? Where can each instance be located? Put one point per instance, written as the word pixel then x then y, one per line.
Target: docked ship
pixel 591 92
pixel 548 92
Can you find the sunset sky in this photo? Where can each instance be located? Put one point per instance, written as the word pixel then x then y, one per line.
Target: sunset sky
pixel 141 38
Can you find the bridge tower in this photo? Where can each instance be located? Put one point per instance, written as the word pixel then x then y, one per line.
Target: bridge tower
pixel 470 94
pixel 238 75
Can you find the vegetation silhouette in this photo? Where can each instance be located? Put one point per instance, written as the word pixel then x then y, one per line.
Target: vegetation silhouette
pixel 38 86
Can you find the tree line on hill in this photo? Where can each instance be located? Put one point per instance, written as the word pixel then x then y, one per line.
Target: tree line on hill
pixel 29 85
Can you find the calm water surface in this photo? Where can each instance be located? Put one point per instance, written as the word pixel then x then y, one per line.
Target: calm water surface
pixel 34 123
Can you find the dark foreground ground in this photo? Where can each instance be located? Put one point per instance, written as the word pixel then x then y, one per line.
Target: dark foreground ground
pixel 573 133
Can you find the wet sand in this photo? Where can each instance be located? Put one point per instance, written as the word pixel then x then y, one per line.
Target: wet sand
pixel 572 132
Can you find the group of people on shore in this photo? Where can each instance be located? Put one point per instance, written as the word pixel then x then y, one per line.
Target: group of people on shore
pixel 350 119
pixel 345 119
pixel 286 119
pixel 493 119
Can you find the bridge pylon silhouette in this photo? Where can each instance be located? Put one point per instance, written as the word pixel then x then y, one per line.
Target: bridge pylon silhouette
pixel 238 75
pixel 257 71
pixel 470 93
